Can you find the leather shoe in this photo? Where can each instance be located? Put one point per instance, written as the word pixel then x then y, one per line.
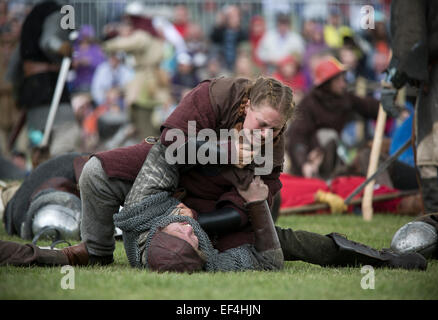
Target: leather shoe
pixel 409 261
pixel 77 255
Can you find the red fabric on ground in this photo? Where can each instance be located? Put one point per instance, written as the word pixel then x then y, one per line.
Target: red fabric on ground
pixel 299 191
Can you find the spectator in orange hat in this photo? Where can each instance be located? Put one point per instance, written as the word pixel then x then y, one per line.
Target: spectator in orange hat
pixel 328 105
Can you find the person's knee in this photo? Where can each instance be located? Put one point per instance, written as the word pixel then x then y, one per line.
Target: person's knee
pixel 91 173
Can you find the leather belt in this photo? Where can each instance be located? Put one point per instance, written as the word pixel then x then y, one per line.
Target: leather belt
pixel 31 68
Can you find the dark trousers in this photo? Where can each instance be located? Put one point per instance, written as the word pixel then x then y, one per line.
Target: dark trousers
pixel 307 246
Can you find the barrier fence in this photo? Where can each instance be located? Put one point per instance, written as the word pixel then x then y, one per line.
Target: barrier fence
pixel 204 12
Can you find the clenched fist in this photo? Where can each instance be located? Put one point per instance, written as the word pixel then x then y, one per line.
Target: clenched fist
pixel 257 191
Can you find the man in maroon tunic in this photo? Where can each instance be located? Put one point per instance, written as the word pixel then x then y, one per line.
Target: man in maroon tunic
pixel 210 190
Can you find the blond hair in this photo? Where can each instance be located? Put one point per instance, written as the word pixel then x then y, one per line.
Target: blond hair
pixel 273 92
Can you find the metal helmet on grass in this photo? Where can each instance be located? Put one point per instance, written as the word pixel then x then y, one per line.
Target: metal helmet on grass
pixel 53 213
pixel 61 218
pixel 416 236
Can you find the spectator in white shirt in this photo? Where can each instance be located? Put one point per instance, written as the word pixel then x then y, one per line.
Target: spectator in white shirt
pixel 110 74
pixel 280 43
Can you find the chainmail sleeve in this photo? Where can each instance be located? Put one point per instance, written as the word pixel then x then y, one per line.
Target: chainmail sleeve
pixel 155 176
pixel 245 257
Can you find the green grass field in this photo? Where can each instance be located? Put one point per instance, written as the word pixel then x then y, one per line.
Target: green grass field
pixel 298 280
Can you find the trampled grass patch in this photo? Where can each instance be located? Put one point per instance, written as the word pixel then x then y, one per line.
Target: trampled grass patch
pixel 298 280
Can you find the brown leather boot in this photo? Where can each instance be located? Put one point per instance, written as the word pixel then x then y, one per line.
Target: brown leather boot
pixel 77 255
pixel 17 254
pixel 351 253
pixel 50 257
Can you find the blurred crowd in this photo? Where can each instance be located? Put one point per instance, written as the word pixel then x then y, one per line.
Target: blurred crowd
pixel 128 77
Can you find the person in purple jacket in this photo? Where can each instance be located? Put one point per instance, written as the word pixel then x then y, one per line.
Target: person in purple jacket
pixel 87 55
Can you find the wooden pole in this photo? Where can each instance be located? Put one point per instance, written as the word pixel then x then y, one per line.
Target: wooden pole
pixel 367 203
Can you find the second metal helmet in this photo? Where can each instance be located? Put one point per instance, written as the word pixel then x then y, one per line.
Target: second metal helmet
pixel 416 236
pixel 65 220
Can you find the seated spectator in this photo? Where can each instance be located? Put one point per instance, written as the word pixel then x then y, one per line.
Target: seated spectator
pixel 307 29
pixel 256 32
pixel 227 34
pixel 89 117
pixel 348 57
pixel 109 74
pixel 355 62
pixel 113 103
pixel 197 45
pixel 289 73
pixel 380 62
pixel 87 55
pixel 213 69
pixel 185 76
pixel 314 45
pixel 334 31
pixel 280 43
pixel 315 41
pixel 181 19
pixel 244 67
pixel 83 108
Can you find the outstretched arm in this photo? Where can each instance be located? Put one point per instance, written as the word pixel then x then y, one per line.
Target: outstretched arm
pixel 266 253
pixel 266 238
